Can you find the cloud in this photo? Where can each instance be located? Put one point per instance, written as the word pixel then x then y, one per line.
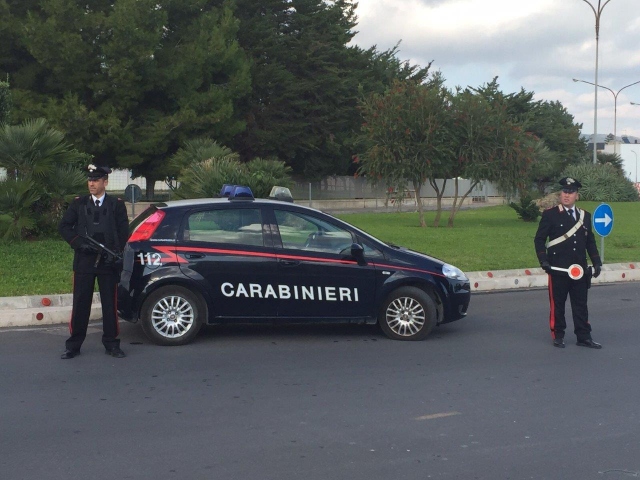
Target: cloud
pixel 539 45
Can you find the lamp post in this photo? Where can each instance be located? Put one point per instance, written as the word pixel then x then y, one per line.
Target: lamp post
pixel 615 108
pixel 597 12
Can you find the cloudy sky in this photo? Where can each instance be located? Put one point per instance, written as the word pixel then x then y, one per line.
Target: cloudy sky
pixel 539 45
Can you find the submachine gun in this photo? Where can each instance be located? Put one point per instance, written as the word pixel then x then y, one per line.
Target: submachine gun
pixel 112 258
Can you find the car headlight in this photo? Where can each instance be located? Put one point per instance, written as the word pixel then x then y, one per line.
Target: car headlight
pixel 452 272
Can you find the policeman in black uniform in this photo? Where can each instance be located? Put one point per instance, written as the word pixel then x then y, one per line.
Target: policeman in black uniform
pixel 568 229
pixel 103 218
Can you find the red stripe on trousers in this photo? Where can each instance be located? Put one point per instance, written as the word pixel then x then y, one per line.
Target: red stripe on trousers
pixel 73 284
pixel 552 313
pixel 115 305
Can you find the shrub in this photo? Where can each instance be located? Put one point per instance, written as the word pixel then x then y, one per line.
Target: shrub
pixel 205 179
pixel 202 175
pixel 527 210
pixel 263 174
pixel 602 183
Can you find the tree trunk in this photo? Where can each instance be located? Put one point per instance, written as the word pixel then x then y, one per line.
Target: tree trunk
pixel 151 188
pixel 416 189
pixel 455 208
pixel 439 195
pixel 455 201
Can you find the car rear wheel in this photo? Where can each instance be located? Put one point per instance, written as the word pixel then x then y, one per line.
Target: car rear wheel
pixel 172 315
pixel 407 314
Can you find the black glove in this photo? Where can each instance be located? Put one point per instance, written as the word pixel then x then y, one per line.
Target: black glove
pixel 596 271
pixel 546 267
pixel 88 248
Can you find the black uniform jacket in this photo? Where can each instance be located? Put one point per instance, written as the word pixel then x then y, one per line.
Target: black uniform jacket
pixel 554 223
pixel 72 228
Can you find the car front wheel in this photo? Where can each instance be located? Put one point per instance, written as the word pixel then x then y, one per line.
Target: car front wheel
pixel 172 315
pixel 407 314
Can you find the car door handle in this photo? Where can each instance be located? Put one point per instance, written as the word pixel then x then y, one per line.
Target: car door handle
pixel 194 255
pixel 289 263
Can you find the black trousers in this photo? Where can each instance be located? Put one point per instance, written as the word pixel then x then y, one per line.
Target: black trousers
pixel 561 286
pixel 83 284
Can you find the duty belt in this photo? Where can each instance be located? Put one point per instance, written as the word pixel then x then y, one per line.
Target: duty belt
pixel 570 233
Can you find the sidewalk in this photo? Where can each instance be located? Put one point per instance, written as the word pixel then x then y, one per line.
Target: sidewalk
pixel 33 310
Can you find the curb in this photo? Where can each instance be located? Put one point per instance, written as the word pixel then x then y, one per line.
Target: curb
pixel 537 278
pixel 28 311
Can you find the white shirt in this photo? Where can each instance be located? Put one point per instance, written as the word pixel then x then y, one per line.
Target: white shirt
pixel 574 212
pixel 94 198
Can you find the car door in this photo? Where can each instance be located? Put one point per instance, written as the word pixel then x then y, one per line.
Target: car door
pixel 229 248
pixel 314 262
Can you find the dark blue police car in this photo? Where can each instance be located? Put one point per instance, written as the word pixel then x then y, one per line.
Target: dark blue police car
pixel 238 259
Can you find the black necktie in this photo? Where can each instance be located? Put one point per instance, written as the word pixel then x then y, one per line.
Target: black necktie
pixel 96 213
pixel 570 212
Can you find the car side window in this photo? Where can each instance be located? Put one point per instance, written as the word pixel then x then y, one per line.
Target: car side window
pixel 304 232
pixel 370 251
pixel 240 226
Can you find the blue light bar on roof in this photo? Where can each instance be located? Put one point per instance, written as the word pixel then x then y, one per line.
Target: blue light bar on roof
pixel 226 189
pixel 241 192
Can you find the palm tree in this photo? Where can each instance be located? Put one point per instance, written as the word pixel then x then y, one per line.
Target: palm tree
pixel 40 177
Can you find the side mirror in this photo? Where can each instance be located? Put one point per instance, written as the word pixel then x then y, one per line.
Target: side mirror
pixel 357 252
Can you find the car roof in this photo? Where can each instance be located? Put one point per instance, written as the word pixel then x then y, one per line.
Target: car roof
pixel 196 202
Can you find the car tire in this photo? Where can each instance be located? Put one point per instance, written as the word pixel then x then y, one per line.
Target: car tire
pixel 172 315
pixel 408 313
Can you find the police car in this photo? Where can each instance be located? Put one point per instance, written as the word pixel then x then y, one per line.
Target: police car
pixel 239 259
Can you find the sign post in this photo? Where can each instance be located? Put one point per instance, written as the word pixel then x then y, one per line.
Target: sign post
pixel 133 194
pixel 602 223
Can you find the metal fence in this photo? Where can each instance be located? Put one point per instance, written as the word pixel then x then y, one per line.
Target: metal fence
pixel 119 179
pixel 332 188
pixel 340 188
pixel 344 187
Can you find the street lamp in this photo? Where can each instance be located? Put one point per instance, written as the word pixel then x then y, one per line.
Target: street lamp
pixel 634 103
pixel 597 12
pixel 615 109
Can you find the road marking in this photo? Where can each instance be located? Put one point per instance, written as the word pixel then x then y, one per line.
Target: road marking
pixel 438 415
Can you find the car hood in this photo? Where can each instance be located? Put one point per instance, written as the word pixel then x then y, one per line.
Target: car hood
pixel 405 253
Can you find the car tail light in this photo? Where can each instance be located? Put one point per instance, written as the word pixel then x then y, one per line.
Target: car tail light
pixel 146 228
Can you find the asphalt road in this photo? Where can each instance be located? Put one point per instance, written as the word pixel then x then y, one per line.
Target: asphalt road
pixel 487 397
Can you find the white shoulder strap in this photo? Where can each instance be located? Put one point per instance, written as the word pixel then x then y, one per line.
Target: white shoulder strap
pixel 570 233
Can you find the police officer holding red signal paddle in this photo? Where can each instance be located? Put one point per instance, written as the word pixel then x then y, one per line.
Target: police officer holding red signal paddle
pixel 570 239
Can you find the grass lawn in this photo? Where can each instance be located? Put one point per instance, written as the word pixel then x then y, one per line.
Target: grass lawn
pixel 487 238
pixel 493 238
pixel 35 268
